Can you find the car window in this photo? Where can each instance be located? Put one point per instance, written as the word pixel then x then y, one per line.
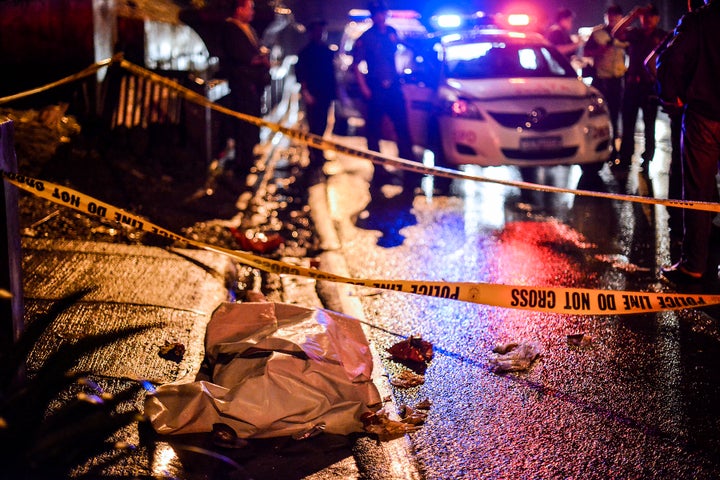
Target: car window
pixel 499 59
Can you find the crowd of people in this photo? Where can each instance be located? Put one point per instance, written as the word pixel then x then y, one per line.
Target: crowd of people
pixel 623 52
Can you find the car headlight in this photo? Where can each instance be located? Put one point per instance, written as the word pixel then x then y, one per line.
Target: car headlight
pixel 461 108
pixel 597 106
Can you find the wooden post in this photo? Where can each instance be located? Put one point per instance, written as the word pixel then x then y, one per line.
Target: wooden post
pixel 10 254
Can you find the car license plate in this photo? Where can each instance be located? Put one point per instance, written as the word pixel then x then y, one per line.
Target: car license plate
pixel 540 143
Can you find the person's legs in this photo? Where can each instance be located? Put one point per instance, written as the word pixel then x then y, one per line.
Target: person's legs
pixel 614 100
pixel 675 189
pixel 611 88
pixel 373 132
pixel 649 108
pixel 397 111
pixel 373 122
pixel 630 106
pixel 317 118
pixel 701 154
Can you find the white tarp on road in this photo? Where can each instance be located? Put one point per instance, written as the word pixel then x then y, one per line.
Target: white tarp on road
pixel 272 369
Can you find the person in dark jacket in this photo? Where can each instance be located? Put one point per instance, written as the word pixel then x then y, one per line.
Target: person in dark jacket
pixel 688 75
pixel 640 92
pixel 381 88
pixel 245 64
pixel 315 74
pixel 561 33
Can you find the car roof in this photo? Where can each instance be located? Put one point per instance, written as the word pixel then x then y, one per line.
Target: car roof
pixel 493 35
pixel 406 22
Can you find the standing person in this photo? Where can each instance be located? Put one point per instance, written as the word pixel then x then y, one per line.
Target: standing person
pixel 245 64
pixel 561 34
pixel 316 75
pixel 608 54
pixel 640 92
pixel 688 75
pixel 381 88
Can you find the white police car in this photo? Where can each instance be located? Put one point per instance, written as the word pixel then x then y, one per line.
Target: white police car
pixel 499 97
pixel 487 91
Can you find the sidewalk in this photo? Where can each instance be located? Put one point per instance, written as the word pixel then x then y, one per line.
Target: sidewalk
pixel 173 293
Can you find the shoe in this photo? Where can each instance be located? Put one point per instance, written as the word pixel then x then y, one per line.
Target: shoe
pixel 679 279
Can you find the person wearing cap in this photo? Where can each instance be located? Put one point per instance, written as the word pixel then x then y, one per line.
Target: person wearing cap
pixel 316 76
pixel 608 55
pixel 640 92
pixel 560 33
pixel 380 87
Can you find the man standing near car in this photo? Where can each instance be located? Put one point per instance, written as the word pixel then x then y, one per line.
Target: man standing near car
pixel 608 56
pixel 381 88
pixel 561 33
pixel 316 76
pixel 640 92
pixel 246 65
pixel 688 75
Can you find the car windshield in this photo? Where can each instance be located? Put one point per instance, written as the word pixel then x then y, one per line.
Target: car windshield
pixel 500 59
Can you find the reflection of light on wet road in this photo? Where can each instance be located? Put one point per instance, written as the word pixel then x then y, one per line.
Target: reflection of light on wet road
pixel 484 201
pixel 538 253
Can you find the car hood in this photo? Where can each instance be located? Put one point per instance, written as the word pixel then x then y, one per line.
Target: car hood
pixel 504 88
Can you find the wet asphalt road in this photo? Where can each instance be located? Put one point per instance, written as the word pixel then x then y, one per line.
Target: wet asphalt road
pixel 636 401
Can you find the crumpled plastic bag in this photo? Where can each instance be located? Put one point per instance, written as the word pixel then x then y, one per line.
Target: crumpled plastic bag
pixel 272 369
pixel 514 357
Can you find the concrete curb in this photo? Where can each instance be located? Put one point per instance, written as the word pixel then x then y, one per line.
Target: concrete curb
pixel 390 460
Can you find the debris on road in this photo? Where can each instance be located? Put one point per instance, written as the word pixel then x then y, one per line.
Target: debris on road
pixel 579 340
pixel 257 242
pixel 413 349
pixel 172 351
pixel 407 379
pixel 514 357
pixel 413 416
pixel 379 423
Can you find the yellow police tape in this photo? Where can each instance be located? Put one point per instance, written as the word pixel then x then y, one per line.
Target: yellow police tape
pixel 322 143
pixel 574 301
pixel 319 142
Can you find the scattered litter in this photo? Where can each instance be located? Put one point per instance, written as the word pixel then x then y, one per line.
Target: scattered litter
pixel 380 424
pixel 257 242
pixel 172 351
pixel 514 357
pixel 407 379
pixel 413 416
pixel 579 340
pixel 413 349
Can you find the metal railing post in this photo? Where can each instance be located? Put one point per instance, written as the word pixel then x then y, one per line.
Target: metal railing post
pixel 10 250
